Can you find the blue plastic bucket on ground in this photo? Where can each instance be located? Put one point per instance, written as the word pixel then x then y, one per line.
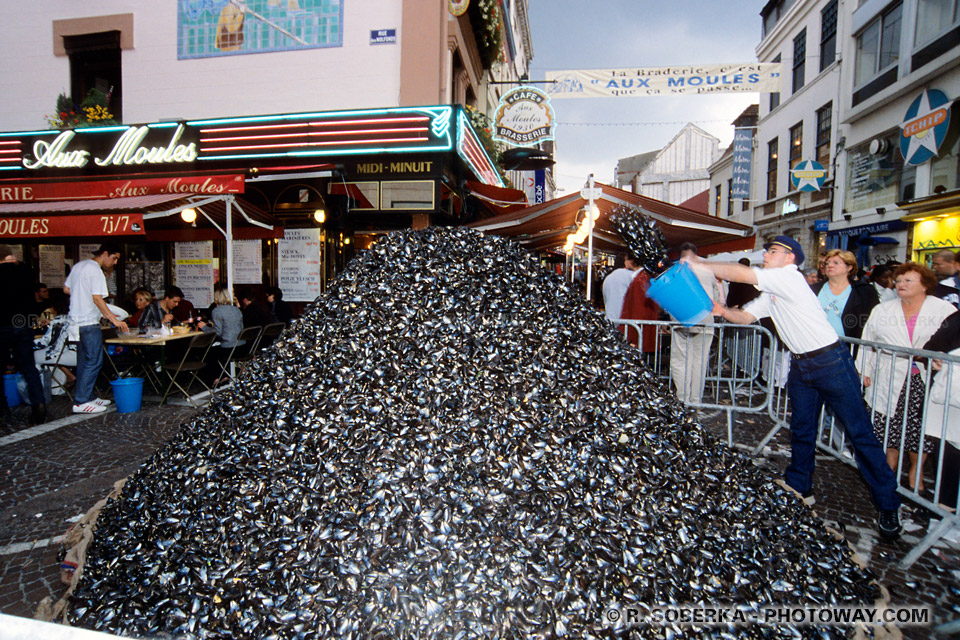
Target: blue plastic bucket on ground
pixel 128 393
pixel 679 292
pixel 10 389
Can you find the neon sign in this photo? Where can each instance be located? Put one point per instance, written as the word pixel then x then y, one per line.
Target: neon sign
pixel 128 150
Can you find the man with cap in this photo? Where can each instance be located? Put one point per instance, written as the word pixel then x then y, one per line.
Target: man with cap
pixel 87 287
pixel 821 372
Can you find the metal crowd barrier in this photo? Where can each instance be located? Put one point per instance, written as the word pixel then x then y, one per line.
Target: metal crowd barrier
pixel 745 368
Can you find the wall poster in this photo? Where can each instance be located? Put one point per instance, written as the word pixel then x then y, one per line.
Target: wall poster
pixel 193 271
pixel 298 258
pixel 247 262
pixel 51 265
pixel 210 28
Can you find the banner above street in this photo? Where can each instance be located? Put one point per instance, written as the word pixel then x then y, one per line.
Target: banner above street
pixel 664 81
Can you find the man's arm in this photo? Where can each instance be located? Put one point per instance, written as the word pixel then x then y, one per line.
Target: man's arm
pixel 100 304
pixel 736 316
pixel 731 272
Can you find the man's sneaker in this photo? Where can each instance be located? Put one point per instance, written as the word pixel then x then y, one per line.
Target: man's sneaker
pixel 89 407
pixel 103 402
pixel 889 524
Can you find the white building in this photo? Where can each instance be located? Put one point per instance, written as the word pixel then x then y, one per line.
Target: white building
pixel 675 173
pixel 896 51
pixel 798 124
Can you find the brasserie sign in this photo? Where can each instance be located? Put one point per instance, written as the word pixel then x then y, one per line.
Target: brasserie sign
pixel 134 146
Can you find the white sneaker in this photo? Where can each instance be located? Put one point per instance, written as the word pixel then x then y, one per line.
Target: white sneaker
pixel 89 407
pixel 103 402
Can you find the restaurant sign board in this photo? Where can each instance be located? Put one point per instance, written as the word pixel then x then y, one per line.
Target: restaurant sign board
pixel 524 117
pixel 46 191
pixel 65 226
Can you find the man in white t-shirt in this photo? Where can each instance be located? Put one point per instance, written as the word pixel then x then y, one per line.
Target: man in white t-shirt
pixel 615 287
pixel 87 287
pixel 821 372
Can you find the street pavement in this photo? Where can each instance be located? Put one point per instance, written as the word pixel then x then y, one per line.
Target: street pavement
pixel 53 473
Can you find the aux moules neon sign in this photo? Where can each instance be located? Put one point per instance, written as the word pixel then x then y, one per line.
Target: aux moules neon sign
pixel 128 150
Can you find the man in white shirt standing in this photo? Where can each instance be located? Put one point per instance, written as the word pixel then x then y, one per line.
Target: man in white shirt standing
pixel 615 287
pixel 87 287
pixel 821 372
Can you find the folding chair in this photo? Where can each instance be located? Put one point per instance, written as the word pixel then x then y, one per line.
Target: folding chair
pixel 270 333
pixel 251 337
pixel 192 362
pixel 54 366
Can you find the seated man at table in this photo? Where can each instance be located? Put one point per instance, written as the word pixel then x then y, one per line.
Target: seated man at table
pixel 160 312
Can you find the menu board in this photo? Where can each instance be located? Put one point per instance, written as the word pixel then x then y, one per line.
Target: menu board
pixel 193 270
pixel 51 265
pixel 299 264
pixel 247 262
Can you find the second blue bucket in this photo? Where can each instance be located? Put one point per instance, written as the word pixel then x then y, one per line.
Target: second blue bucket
pixel 128 392
pixel 679 292
pixel 10 389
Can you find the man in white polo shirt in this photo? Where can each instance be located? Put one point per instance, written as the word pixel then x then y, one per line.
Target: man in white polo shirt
pixel 87 287
pixel 821 372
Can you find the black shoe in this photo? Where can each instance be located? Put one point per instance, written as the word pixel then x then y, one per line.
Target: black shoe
pixel 888 524
pixel 39 414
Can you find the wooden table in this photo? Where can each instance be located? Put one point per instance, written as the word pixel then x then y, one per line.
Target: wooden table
pixel 143 346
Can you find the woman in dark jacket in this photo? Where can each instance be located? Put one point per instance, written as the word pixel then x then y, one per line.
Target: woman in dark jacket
pixel 847 302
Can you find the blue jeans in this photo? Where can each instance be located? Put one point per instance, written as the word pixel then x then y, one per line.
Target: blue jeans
pixel 831 378
pixel 20 341
pixel 89 361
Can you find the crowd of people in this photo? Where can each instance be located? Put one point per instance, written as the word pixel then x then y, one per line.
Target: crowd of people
pixel 69 322
pixel 878 399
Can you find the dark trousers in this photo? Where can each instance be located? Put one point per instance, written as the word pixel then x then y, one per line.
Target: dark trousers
pixel 831 378
pixel 19 340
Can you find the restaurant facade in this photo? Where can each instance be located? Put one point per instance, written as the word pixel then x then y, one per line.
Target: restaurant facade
pixel 221 171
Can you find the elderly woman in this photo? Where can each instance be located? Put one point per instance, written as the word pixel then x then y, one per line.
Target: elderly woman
pixel 897 382
pixel 847 302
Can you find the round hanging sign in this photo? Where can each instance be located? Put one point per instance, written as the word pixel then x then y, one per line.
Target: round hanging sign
pixel 924 126
pixel 458 7
pixel 808 175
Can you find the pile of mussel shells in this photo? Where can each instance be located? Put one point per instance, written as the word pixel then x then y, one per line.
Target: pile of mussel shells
pixel 449 444
pixel 643 237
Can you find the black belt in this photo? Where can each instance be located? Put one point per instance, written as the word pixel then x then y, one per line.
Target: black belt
pixel 815 352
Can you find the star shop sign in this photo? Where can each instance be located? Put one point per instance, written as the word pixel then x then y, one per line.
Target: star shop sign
pixel 925 126
pixel 808 175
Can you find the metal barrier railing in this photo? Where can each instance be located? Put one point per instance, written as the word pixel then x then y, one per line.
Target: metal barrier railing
pixel 743 369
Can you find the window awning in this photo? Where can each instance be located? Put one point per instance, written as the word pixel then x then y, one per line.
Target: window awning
pixel 148 215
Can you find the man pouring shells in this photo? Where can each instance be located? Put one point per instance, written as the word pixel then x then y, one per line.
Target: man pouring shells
pixel 821 372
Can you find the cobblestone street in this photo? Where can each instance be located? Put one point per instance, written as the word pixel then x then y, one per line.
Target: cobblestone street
pixel 55 472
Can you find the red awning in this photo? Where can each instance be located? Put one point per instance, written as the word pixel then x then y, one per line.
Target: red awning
pixel 152 215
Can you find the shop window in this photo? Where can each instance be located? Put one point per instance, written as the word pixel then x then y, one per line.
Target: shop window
pixel 875 179
pixel 945 168
pixel 408 194
pixel 772 154
pixel 775 95
pixel 878 51
pixel 729 198
pixel 799 60
pixel 828 35
pixel 95 63
pixel 796 144
pixel 824 123
pixel 935 17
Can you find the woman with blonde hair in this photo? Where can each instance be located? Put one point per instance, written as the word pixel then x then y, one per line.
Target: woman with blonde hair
pixel 894 384
pixel 846 300
pixel 226 320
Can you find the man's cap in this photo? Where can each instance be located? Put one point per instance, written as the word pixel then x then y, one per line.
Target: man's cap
pixel 788 243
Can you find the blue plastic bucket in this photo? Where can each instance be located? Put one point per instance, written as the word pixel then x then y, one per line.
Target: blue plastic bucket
pixel 679 292
pixel 10 389
pixel 128 393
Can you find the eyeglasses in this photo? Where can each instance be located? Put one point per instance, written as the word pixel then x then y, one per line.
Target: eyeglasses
pixel 906 281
